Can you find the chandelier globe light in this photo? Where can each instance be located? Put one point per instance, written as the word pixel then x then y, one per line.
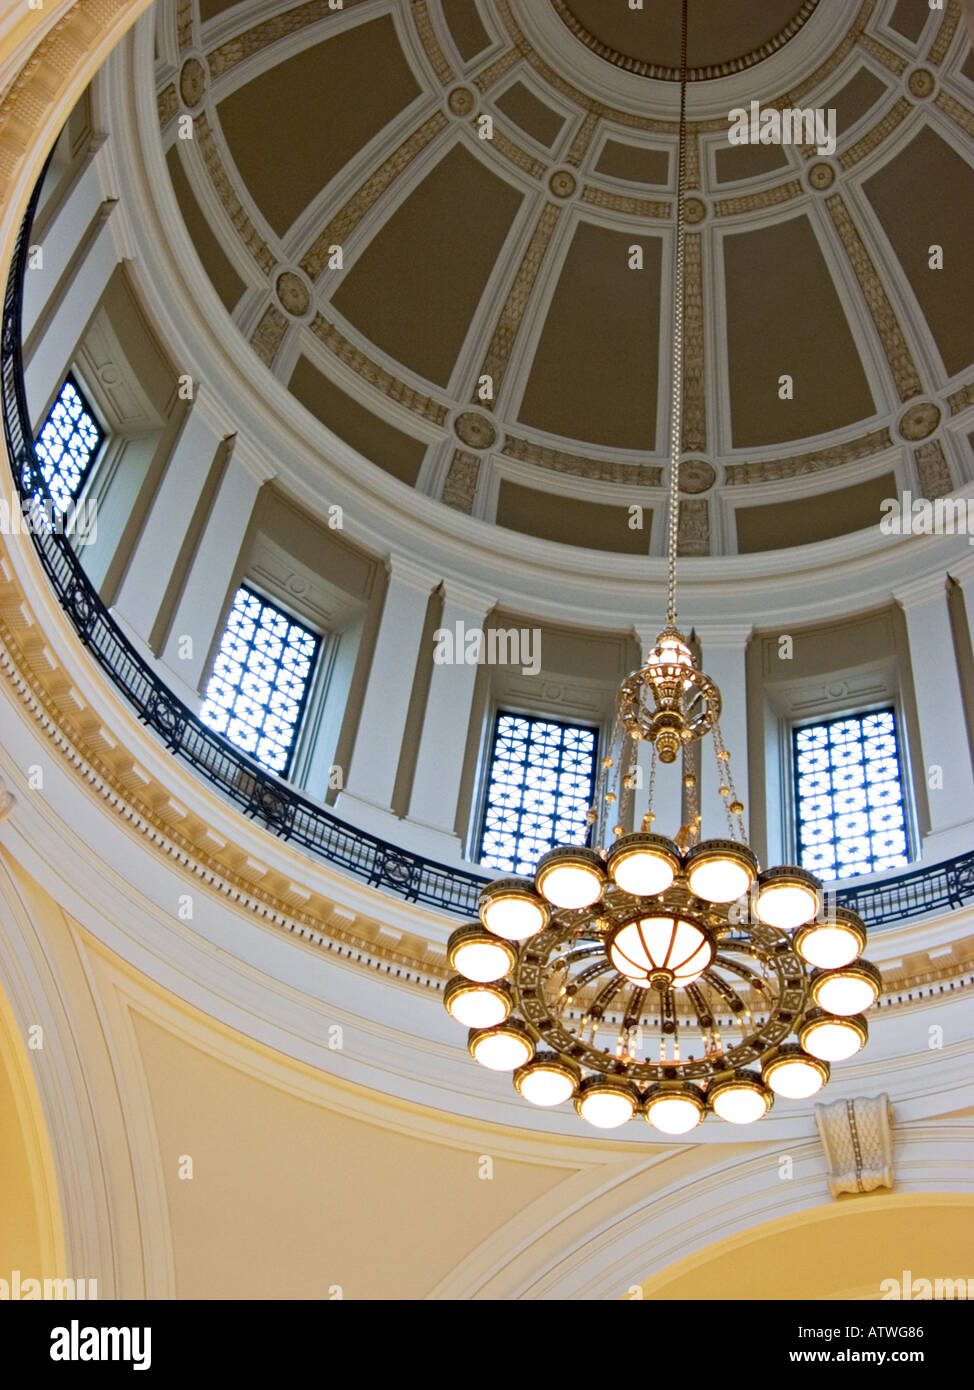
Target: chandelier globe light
pixel 666 978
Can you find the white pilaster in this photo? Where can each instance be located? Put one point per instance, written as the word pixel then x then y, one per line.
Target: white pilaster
pixel 439 763
pixel 724 660
pixel 62 236
pixel 51 355
pixel 214 562
pixel 962 572
pixel 945 761
pixel 375 760
pixel 151 566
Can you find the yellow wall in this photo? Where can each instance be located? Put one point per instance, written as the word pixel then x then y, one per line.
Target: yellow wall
pixel 842 1251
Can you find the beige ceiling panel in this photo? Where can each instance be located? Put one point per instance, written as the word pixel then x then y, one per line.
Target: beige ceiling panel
pixel 571 520
pixel 414 290
pixel 853 100
pixel 217 264
pixel 909 17
pixel 925 197
pixel 634 163
pixel 392 450
pixel 290 1197
pixel 292 128
pixel 466 27
pixel 784 317
pixel 595 371
pixel 816 518
pixel 733 162
pixel 209 9
pixel 531 114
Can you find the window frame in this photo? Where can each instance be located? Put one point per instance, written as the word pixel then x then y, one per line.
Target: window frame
pixel 491 724
pixel 894 706
pixel 298 753
pixel 97 455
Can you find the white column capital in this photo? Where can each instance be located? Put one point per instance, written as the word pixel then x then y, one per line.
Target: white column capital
pixel 407 571
pixel 211 409
pixel 473 601
pixel 921 591
pixel 730 636
pixel 962 570
pixel 249 456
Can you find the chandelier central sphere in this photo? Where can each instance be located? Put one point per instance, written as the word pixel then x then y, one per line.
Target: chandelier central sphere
pixel 661 951
pixel 667 978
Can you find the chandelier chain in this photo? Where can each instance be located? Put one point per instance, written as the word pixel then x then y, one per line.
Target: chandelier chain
pixel 676 419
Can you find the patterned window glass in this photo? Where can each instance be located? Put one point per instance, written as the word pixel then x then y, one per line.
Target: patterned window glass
pixel 849 794
pixel 539 789
pixel 67 444
pixel 260 680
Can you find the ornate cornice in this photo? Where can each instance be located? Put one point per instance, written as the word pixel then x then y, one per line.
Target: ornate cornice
pixel 661 72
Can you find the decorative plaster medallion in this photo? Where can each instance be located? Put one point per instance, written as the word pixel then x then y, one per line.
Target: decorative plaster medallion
pixel 919 420
pixel 293 294
pixel 821 176
pixel 461 101
pixel 696 475
pixel 192 82
pixel 475 430
pixel 921 82
pixel 562 183
pixel 695 210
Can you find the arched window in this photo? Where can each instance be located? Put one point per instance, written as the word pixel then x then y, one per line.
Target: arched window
pixel 540 783
pixel 260 680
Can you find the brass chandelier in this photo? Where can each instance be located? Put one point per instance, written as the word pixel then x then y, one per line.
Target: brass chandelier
pixel 664 978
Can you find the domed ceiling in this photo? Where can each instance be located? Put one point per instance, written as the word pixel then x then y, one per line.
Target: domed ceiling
pixel 447 226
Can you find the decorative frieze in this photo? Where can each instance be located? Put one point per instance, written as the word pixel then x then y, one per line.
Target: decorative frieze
pixel 599 470
pixel 280 26
pixel 875 137
pixel 225 191
pixel 817 461
pixel 694 527
pixel 347 218
pixel 460 487
pixel 267 337
pixel 933 470
pixel 392 386
pixel 511 316
pixel 755 202
pixel 898 354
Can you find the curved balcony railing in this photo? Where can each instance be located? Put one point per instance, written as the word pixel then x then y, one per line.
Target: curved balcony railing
pixel 260 794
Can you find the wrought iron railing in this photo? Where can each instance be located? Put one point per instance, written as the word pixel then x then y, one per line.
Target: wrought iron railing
pixel 242 781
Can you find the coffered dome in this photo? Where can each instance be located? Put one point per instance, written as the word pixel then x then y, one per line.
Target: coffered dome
pixel 447 228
